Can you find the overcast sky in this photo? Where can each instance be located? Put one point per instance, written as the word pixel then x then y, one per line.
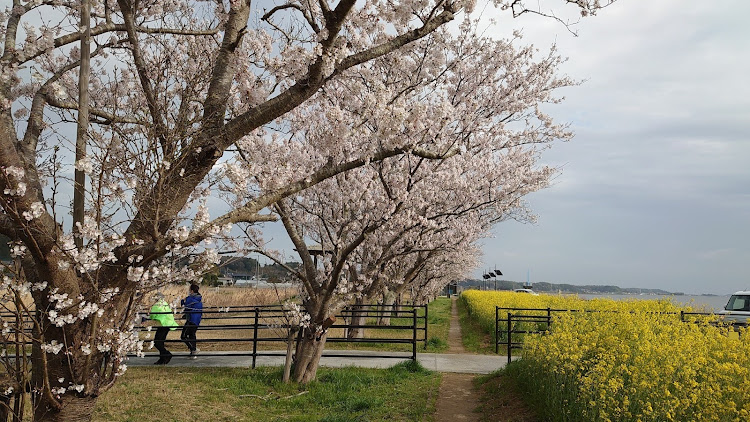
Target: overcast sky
pixel 655 187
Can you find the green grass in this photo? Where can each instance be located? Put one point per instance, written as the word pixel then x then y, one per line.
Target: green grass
pixel 438 325
pixel 474 338
pixel 405 392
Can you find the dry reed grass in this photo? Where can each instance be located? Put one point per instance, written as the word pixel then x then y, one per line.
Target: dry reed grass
pixel 228 296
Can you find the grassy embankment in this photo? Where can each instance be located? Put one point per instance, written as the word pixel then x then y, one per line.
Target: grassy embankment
pixel 438 325
pixel 474 338
pixel 502 400
pixel 406 392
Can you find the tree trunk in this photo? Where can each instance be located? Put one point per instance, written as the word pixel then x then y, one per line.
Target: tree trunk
pixel 387 309
pixel 5 406
pixel 357 319
pixel 309 352
pixel 66 407
pixel 289 353
pixel 94 371
pixel 72 409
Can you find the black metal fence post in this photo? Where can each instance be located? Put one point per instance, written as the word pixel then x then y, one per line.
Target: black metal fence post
pixel 497 337
pixel 426 313
pixel 414 334
pixel 508 330
pixel 255 338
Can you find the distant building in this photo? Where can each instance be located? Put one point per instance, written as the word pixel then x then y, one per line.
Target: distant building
pixel 451 289
pixel 225 280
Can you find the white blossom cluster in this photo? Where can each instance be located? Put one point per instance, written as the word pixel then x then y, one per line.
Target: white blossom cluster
pixel 120 342
pixel 179 234
pixel 62 313
pixel 20 286
pixel 37 210
pixel 202 217
pixel 60 390
pixel 161 274
pixel 17 174
pixel 17 250
pixel 52 347
pixel 296 315
pixel 237 176
pixel 85 165
pixel 88 258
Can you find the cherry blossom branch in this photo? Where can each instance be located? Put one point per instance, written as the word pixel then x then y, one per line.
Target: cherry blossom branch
pixel 216 136
pixel 250 212
pixel 222 75
pixel 11 30
pixel 276 260
pixel 342 258
pixel 444 17
pixel 108 118
pixel 45 96
pixel 160 127
pixel 309 84
pixel 334 21
pixel 97 30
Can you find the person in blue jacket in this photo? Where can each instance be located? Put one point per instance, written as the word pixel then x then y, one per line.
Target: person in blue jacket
pixel 192 312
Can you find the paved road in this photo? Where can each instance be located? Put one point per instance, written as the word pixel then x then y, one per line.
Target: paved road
pixel 458 363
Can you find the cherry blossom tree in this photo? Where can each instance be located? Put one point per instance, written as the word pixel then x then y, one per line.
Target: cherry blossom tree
pixel 190 99
pixel 464 106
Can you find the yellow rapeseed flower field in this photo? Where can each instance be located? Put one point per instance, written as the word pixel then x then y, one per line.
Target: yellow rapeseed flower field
pixel 639 363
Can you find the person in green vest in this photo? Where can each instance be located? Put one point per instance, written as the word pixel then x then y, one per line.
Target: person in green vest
pixel 163 315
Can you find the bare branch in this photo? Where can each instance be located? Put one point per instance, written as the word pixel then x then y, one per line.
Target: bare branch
pixel 518 7
pixel 160 127
pixel 8 226
pixel 304 13
pixel 107 117
pixel 302 251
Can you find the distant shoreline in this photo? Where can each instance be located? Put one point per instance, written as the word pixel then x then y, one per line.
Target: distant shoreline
pixel 553 288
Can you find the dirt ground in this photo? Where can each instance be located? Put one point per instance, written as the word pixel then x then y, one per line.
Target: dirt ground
pixel 457 399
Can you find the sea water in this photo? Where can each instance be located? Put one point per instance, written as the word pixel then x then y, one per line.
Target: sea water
pixel 709 303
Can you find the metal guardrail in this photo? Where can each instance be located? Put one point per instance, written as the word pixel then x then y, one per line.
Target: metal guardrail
pixel 262 324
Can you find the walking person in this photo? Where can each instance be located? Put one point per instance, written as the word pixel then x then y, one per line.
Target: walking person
pixel 162 314
pixel 192 313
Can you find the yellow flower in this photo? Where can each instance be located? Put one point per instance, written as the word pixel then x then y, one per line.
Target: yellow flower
pixel 624 361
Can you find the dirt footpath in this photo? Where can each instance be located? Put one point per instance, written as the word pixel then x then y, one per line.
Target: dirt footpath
pixel 457 398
